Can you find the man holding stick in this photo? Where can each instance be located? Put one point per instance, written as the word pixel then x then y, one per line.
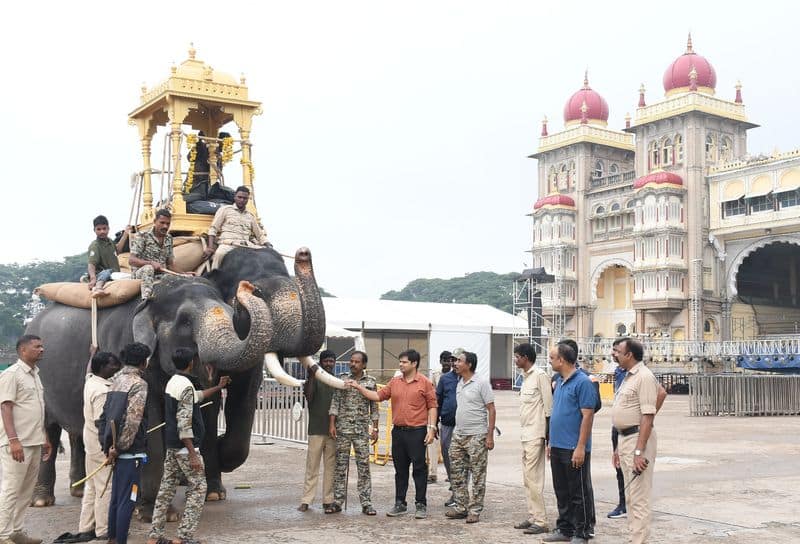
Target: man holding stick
pixel 122 436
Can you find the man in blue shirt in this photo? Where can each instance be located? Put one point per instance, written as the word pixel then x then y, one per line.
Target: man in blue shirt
pixel 446 398
pixel 574 401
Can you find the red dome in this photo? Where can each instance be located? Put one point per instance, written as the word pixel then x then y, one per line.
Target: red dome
pixel 596 105
pixel 658 178
pixel 554 200
pixel 677 75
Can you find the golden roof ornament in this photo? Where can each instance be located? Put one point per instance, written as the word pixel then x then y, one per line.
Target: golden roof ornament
pixel 689 50
pixel 242 79
pixel 586 78
pixel 192 50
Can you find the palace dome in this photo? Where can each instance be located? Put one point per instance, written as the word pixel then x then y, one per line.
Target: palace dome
pixel 555 200
pixel 658 179
pixel 596 106
pixel 677 78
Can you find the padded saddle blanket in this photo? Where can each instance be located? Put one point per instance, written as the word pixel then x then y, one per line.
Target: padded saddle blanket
pixel 78 294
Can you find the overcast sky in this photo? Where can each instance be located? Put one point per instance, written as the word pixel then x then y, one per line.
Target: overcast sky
pixel 394 136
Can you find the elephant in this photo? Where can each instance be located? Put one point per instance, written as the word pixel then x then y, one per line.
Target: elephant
pixel 221 316
pixel 183 313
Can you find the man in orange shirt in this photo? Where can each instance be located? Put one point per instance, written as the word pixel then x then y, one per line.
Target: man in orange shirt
pixel 414 427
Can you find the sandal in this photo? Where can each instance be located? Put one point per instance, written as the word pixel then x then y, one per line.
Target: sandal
pixel 368 510
pixel 334 508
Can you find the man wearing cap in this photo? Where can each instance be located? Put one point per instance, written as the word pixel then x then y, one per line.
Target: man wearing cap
pixel 433 448
pixel 446 399
pixel 635 406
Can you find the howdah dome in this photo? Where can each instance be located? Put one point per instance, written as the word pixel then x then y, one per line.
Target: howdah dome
pixel 596 106
pixel 677 79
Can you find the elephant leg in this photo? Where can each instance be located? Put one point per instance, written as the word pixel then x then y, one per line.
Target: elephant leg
pixel 216 491
pixel 240 406
pixel 77 463
pixel 43 492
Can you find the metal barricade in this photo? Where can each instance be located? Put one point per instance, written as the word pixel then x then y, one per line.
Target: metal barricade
pixel 737 395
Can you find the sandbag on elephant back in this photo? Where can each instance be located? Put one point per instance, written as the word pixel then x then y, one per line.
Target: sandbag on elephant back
pixel 188 252
pixel 78 295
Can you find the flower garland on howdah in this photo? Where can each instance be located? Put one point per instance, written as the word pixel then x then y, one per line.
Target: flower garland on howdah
pixel 191 141
pixel 227 149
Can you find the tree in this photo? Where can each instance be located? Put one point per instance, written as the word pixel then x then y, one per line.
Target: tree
pixel 475 288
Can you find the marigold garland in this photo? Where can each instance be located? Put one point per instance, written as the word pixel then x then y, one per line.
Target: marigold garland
pixel 249 166
pixel 227 149
pixel 191 142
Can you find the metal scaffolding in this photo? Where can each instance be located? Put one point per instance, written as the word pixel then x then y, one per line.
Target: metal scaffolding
pixel 528 302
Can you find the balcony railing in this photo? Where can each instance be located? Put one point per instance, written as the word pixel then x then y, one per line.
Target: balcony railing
pixel 613 179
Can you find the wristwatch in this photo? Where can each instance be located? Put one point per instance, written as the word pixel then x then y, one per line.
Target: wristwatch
pixel 431 427
pixel 637 453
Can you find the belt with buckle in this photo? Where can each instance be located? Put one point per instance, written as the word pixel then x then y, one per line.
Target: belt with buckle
pixel 407 428
pixel 629 431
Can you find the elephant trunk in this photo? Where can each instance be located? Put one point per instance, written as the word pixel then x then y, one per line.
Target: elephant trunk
pixel 313 321
pixel 218 342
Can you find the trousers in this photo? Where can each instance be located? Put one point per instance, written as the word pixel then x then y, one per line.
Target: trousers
pixel 533 461
pixel 360 443
pixel 17 486
pixel 125 486
pixel 94 508
pixel 469 457
pixel 637 497
pixel 408 447
pixel 574 499
pixel 321 447
pixel 175 466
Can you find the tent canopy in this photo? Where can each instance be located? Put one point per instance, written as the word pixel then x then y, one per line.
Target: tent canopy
pixel 419 316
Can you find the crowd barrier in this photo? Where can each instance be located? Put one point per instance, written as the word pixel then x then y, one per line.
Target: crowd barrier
pixel 738 395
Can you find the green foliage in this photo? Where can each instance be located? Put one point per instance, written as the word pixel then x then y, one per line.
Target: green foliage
pixel 324 293
pixel 475 288
pixel 17 282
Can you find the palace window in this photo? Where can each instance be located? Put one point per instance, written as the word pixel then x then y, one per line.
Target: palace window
pixel 598 170
pixel 666 152
pixel 711 148
pixel 653 154
pixel 613 169
pixel 571 175
pixel 552 180
pixel 761 204
pixel 788 199
pixel 678 149
pixel 734 207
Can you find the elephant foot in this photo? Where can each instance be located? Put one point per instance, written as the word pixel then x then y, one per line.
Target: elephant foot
pixel 145 513
pixel 76 491
pixel 219 495
pixel 39 501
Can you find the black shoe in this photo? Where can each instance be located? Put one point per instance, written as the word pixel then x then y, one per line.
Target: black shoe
pixel 451 502
pixel 535 530
pixel 422 511
pixel 399 509
pixel 556 536
pixel 88 536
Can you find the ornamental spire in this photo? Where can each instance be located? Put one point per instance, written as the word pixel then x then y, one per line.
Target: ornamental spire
pixel 689 50
pixel 584 111
pixel 544 126
pixel 693 79
pixel 192 50
pixel 586 78
pixel 738 92
pixel 641 96
pixel 627 120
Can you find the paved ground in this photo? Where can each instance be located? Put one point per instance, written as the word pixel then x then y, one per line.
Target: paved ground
pixel 717 480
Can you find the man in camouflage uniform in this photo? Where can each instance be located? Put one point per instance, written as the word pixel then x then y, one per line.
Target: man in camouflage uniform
pixel 183 434
pixel 350 417
pixel 151 253
pixel 473 437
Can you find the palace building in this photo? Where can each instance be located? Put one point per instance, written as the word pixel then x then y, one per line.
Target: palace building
pixel 667 228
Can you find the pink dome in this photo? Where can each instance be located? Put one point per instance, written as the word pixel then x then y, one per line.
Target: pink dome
pixel 677 75
pixel 658 179
pixel 596 106
pixel 554 200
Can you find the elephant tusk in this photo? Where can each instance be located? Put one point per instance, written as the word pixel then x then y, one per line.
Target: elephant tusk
pixel 321 374
pixel 276 370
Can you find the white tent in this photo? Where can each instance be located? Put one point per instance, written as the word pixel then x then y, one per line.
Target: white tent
pixel 469 326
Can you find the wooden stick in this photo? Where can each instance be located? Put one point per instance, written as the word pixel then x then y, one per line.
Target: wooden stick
pixel 95 471
pixel 94 322
pixel 157 427
pixel 113 445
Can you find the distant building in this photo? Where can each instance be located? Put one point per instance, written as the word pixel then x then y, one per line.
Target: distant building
pixel 667 227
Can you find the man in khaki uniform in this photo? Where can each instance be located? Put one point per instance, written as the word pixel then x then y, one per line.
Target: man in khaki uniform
pixel 234 226
pixel 535 406
pixel 23 442
pixel 635 407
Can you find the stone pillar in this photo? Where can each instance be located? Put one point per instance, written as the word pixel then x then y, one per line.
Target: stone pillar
pixel 213 175
pixel 725 325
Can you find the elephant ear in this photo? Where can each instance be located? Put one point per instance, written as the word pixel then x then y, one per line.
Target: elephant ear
pixel 144 329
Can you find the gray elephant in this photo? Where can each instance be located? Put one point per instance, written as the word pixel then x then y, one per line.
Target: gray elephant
pixel 288 321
